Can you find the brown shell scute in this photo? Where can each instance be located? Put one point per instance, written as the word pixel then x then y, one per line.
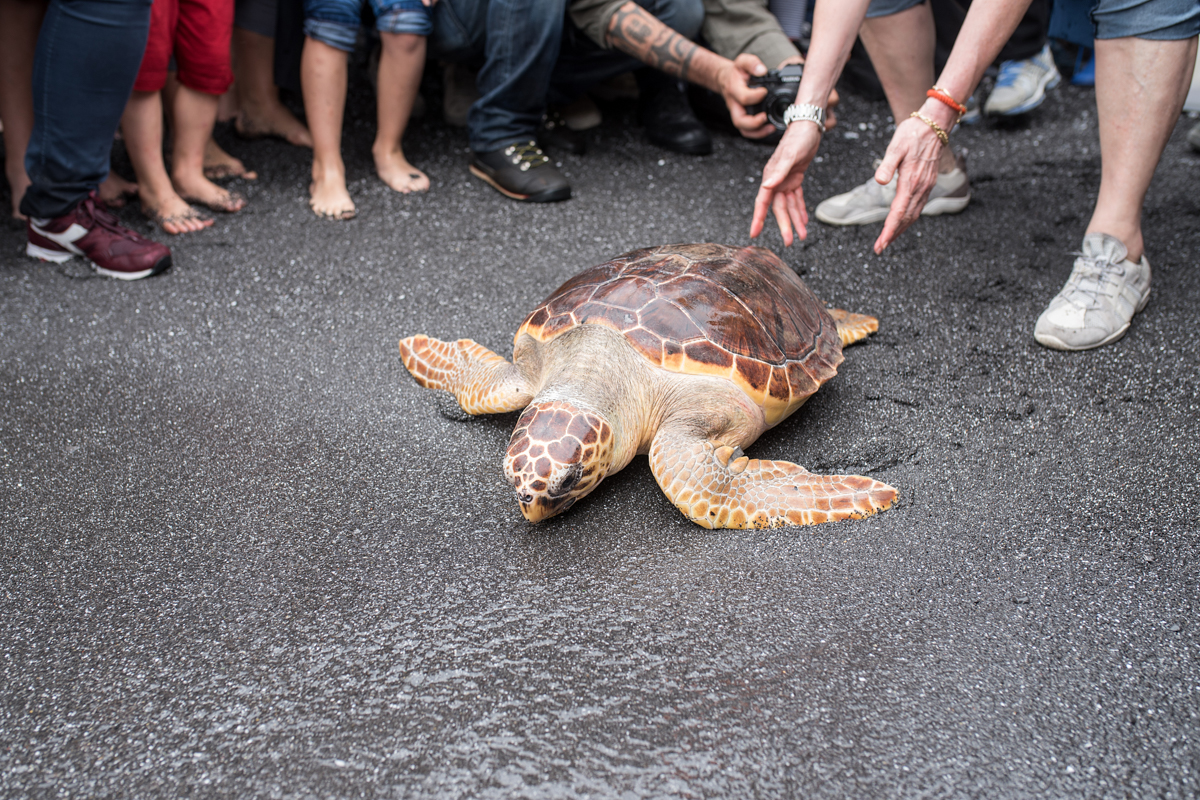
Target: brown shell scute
pixel 738 313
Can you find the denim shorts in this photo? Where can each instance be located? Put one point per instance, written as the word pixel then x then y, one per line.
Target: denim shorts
pixel 1146 19
pixel 336 22
pixel 885 8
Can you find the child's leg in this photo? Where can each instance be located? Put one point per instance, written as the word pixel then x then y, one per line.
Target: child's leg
pixel 260 111
pixel 323 80
pixel 20 21
pixel 194 115
pixel 202 54
pixel 218 164
pixel 142 127
pixel 400 67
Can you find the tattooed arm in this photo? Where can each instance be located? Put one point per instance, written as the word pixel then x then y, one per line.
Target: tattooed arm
pixel 639 33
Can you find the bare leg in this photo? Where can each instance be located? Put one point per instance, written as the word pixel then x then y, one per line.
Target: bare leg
pixel 218 164
pixel 400 68
pixel 20 21
pixel 1140 88
pixel 901 48
pixel 260 113
pixel 193 118
pixel 323 79
pixel 143 129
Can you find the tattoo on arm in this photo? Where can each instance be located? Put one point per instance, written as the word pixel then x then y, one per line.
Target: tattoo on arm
pixel 635 31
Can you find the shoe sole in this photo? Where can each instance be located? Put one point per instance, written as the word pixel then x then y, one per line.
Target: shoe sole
pixel 548 196
pixel 934 208
pixel 1034 101
pixel 63 256
pixel 1054 343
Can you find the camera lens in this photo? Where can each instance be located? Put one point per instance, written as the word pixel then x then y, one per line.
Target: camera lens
pixel 777 106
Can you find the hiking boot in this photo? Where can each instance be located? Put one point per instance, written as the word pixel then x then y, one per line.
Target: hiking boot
pixel 90 230
pixel 671 123
pixel 1021 85
pixel 871 202
pixel 521 171
pixel 1103 293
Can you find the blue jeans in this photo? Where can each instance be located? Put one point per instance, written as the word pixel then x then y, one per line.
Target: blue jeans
pixel 518 42
pixel 1146 19
pixel 88 54
pixel 336 22
pixel 582 63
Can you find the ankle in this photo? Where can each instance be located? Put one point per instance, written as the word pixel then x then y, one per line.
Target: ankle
pixel 1132 239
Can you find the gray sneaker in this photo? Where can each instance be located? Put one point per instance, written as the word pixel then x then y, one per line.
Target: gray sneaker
pixel 871 202
pixel 1021 85
pixel 1193 137
pixel 1103 293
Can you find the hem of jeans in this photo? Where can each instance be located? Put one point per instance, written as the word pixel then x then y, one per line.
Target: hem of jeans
pixel 1185 29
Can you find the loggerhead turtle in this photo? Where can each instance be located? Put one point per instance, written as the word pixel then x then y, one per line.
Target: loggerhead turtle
pixel 686 352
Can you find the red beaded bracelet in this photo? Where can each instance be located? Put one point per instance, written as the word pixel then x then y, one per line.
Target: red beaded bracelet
pixel 940 94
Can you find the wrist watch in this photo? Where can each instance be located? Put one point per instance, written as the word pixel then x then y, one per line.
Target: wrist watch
pixel 807 112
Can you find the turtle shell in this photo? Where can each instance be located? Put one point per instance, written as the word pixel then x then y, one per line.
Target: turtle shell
pixel 706 309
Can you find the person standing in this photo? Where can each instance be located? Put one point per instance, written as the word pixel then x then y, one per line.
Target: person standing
pixel 1145 54
pixel 86 61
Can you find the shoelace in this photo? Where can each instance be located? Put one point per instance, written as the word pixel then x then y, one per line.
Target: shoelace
pixel 104 218
pixel 1094 276
pixel 526 156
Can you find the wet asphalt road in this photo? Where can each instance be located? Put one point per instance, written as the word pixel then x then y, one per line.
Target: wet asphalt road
pixel 245 555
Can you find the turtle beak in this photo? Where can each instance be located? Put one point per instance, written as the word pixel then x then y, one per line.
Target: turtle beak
pixel 538 508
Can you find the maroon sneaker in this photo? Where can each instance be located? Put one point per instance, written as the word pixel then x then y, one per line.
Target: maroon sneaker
pixel 90 230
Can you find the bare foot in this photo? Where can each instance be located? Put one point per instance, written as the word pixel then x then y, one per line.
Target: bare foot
pixel 397 173
pixel 199 189
pixel 274 120
pixel 115 191
pixel 329 197
pixel 175 216
pixel 219 165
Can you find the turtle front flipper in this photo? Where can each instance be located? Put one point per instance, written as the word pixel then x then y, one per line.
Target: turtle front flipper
pixel 716 486
pixel 481 381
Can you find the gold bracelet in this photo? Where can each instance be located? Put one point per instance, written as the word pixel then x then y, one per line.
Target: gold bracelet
pixel 941 134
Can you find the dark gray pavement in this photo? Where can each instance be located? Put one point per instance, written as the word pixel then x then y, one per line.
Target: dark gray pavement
pixel 245 555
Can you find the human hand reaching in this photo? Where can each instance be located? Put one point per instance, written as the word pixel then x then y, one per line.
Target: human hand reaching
pixel 783 178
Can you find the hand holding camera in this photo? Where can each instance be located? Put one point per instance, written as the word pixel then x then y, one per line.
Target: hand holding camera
pixel 781 85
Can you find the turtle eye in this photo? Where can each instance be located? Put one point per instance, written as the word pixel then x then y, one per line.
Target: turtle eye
pixel 567 482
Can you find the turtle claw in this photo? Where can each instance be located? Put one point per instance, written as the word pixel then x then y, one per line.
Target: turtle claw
pixel 725 454
pixel 738 466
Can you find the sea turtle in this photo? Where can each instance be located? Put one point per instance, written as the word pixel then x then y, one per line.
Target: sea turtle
pixel 686 352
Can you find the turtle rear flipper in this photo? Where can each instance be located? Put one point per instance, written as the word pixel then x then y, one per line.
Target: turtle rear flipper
pixel 481 381
pixel 717 487
pixel 853 327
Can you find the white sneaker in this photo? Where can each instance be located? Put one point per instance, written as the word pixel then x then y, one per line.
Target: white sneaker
pixel 871 202
pixel 1021 85
pixel 1103 293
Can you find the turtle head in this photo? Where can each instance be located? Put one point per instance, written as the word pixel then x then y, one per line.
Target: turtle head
pixel 558 453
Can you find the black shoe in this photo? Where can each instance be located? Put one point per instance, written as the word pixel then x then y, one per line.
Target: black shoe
pixel 521 171
pixel 671 123
pixel 554 134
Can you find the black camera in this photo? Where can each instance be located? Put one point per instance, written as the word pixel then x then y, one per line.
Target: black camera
pixel 782 85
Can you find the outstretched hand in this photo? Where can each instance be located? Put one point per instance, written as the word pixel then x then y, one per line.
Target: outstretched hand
pixel 783 178
pixel 914 151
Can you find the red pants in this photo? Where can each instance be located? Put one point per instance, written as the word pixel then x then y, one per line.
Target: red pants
pixel 198 33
